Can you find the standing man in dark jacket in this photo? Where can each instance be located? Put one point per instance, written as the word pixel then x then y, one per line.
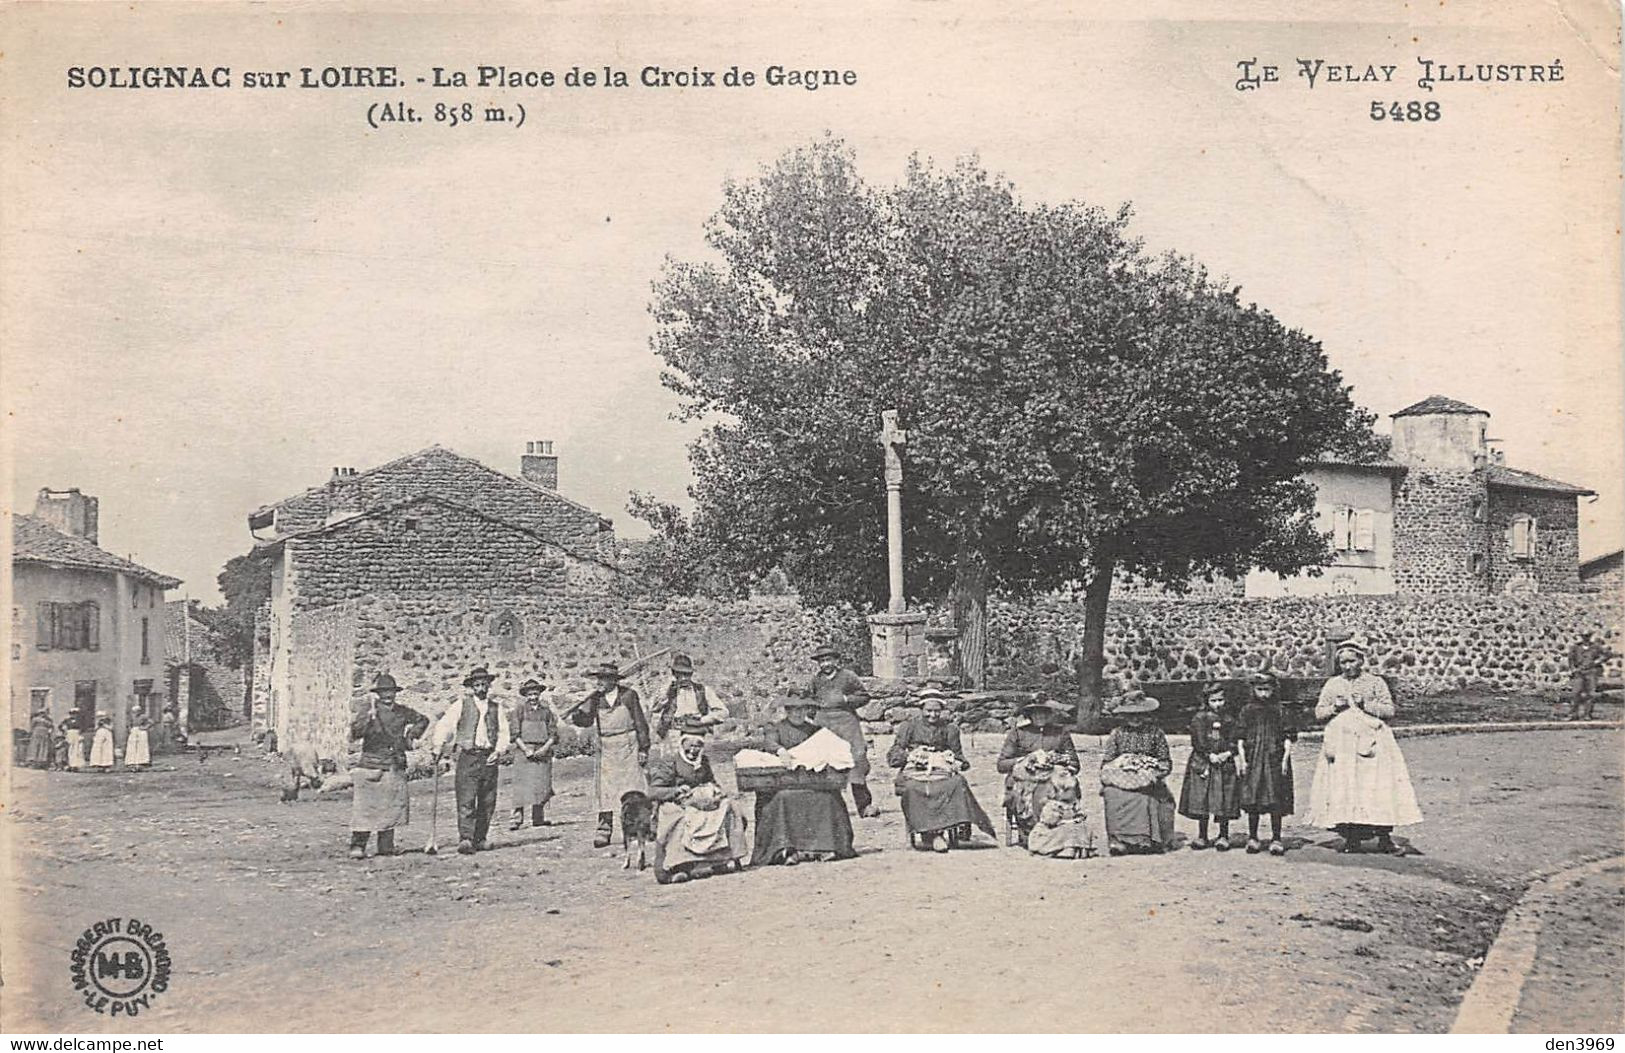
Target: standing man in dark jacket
pixel 685 697
pixel 478 727
pixel 1585 670
pixel 386 731
pixel 839 693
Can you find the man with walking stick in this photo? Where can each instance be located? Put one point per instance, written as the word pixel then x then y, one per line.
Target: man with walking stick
pixel 478 728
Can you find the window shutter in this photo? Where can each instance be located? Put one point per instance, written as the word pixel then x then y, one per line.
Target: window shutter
pixel 1534 538
pixel 46 632
pixel 1365 530
pixel 93 626
pixel 1521 533
pixel 1340 529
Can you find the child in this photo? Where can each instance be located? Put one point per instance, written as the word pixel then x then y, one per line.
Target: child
pixel 101 746
pixel 137 748
pixel 1265 762
pixel 1062 830
pixel 1210 789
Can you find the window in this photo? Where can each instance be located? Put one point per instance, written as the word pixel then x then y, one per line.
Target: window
pixel 1522 537
pixel 1475 563
pixel 1354 530
pixel 69 626
pixel 39 698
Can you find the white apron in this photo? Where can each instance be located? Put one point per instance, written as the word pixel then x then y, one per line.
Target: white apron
pixel 137 750
pixel 101 749
pixel 617 768
pixel 1361 776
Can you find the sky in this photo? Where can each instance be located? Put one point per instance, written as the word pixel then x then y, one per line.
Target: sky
pixel 208 299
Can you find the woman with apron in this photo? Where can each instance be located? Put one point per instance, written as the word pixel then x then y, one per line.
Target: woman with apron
pixel 838 693
pixel 623 744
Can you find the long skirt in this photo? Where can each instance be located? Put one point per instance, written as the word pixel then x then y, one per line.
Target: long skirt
pixel 1053 840
pixel 678 830
pixel 39 748
pixel 101 749
pixel 136 749
pixel 381 801
pixel 532 782
pixel 805 820
pixel 933 805
pixel 617 771
pixel 1266 789
pixel 1140 818
pixel 76 750
pixel 846 724
pixel 1210 790
pixel 1361 777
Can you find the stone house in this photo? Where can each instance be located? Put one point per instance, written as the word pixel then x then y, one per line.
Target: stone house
pixel 433 527
pixel 1604 573
pixel 201 684
pixel 87 627
pixel 1444 514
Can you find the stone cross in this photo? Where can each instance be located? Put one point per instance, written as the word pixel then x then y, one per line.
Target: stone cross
pixel 892 439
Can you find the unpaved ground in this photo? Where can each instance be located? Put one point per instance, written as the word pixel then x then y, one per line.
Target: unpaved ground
pixel 272 929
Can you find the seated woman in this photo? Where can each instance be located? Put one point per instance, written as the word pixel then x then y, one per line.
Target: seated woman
pixel 1062 830
pixel 938 806
pixel 699 830
pixel 1035 747
pixel 797 825
pixel 1133 769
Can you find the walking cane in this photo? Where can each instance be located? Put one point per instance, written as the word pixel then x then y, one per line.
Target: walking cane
pixel 433 848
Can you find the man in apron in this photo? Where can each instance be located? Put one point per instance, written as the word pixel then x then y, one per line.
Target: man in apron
pixel 387 731
pixel 536 732
pixel 838 693
pixel 623 744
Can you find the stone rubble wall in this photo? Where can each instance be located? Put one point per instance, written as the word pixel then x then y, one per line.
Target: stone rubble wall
pixel 1556 565
pixel 1437 528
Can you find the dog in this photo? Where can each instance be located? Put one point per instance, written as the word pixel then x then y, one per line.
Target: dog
pixel 637 825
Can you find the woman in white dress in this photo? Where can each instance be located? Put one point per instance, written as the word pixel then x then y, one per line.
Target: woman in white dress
pixel 1361 787
pixel 138 748
pixel 101 745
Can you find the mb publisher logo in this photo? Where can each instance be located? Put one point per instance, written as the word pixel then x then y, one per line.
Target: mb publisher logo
pixel 119 965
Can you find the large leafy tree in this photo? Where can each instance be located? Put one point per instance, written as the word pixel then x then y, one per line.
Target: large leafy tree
pixel 1074 405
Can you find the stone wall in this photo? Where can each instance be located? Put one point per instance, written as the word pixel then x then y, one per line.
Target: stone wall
pixel 462 480
pixel 748 653
pixel 432 546
pixel 1556 566
pixel 1425 642
pixel 1438 525
pixel 259 706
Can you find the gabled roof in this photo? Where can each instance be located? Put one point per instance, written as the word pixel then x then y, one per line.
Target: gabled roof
pixel 1511 478
pixel 1598 564
pixel 1438 404
pixel 379 511
pixel 36 541
pixel 437 449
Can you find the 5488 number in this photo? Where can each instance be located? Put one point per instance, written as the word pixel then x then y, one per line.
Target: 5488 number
pixel 1404 111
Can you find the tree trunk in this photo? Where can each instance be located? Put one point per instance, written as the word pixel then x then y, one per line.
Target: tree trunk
pixel 970 616
pixel 1092 662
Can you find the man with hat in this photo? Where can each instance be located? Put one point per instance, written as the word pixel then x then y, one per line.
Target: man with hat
pixel 536 731
pixel 478 729
pixel 685 697
pixel 1265 761
pixel 386 731
pixel 1586 659
pixel 838 693
pixel 616 713
pixel 799 824
pixel 938 805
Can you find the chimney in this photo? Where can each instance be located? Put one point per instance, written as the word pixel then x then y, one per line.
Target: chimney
pixel 539 465
pixel 343 495
pixel 69 511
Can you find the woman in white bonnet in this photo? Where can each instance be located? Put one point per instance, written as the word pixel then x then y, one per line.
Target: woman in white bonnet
pixel 1362 788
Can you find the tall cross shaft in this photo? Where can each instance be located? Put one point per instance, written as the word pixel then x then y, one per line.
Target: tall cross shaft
pixel 892 439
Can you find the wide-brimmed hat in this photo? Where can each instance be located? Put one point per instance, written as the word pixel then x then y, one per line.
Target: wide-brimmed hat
pixel 478 673
pixel 1133 702
pixel 1265 676
pixel 605 670
pixel 531 685
pixel 682 663
pixel 826 651
pixel 384 684
pixel 1046 705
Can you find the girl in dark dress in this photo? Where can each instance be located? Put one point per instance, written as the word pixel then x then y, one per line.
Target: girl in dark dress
pixel 1210 790
pixel 1267 733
